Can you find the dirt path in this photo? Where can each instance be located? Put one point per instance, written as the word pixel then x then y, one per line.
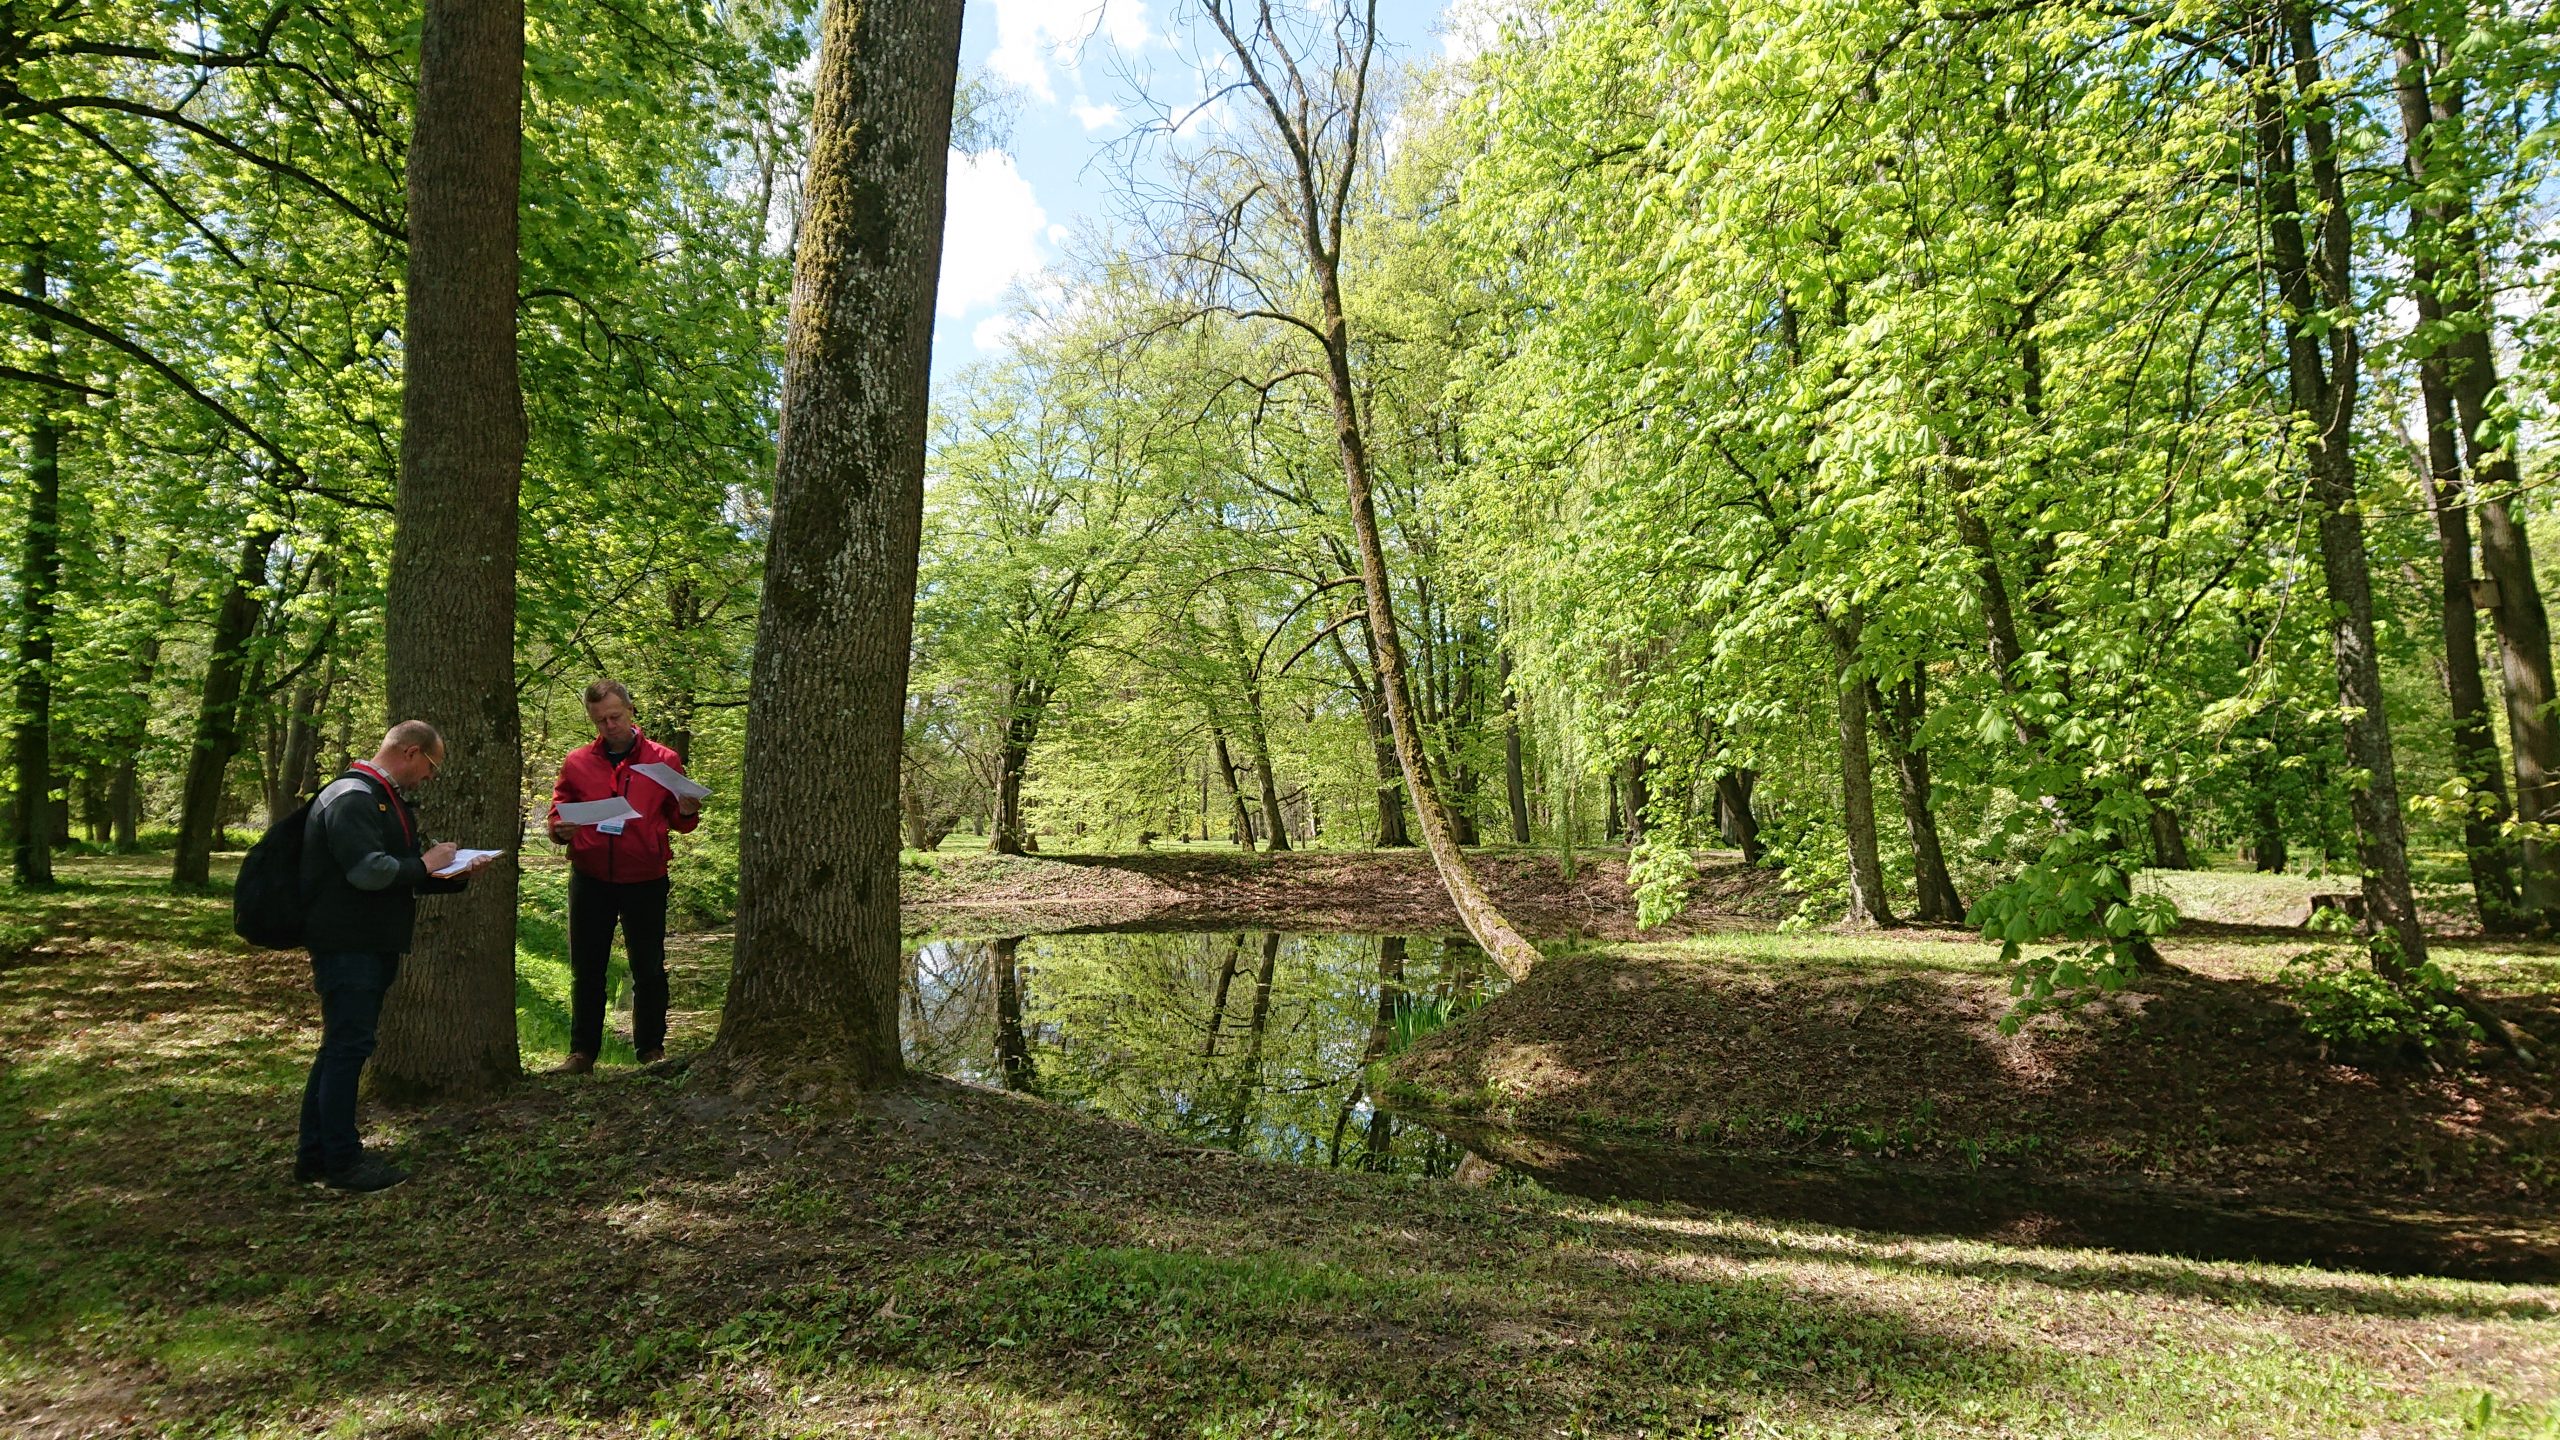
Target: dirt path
pixel 1379 892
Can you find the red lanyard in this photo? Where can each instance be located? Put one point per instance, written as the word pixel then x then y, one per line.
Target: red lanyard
pixel 407 830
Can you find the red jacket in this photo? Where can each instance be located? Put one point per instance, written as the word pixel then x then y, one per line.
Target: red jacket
pixel 641 851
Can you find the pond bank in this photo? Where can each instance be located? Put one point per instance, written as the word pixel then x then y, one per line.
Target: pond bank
pixel 1889 1046
pixel 1376 892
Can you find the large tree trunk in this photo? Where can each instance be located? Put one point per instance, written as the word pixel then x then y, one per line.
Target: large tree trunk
pixel 2324 369
pixel 449 608
pixel 1857 781
pixel 217 728
pixel 39 584
pixel 815 988
pixel 1898 725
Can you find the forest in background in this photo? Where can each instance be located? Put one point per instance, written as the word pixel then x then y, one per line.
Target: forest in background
pixel 1957 457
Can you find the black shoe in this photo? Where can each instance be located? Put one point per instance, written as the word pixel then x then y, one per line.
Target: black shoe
pixel 370 1173
pixel 307 1172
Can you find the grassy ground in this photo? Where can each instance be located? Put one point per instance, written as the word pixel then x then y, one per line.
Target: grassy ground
pixel 620 1255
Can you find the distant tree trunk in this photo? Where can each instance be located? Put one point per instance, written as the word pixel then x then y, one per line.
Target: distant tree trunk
pixel 2323 365
pixel 1614 827
pixel 1515 781
pixel 1898 721
pixel 2168 838
pixel 449 607
pixel 685 613
pixel 1013 1048
pixel 1733 813
pixel 1382 749
pixel 217 728
pixel 1639 796
pixel 1239 818
pixel 297 761
pixel 1857 783
pixel 39 586
pixel 1275 825
pixel 815 988
pixel 1026 703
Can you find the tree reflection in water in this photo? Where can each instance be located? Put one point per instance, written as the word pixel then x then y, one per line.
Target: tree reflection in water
pixel 1155 1029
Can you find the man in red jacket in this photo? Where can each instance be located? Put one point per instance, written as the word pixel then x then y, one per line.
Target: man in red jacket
pixel 618 871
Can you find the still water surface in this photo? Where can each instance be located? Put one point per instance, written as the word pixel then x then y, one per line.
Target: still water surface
pixel 1247 1040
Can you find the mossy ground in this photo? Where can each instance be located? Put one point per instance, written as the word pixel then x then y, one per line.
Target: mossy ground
pixel 621 1255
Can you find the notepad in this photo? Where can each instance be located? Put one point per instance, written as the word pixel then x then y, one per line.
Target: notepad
pixel 678 783
pixel 596 812
pixel 464 860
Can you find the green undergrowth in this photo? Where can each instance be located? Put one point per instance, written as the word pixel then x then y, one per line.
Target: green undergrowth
pixel 623 1255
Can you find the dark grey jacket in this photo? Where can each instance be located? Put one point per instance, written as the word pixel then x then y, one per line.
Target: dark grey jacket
pixel 361 871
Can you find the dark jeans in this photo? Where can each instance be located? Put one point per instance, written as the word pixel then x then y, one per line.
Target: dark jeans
pixel 351 986
pixel 641 906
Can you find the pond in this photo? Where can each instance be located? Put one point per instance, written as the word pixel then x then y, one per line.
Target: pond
pixel 1261 1042
pixel 1247 1040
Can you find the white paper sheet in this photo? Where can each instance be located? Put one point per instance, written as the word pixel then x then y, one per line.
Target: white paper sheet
pixel 593 812
pixel 677 782
pixel 462 860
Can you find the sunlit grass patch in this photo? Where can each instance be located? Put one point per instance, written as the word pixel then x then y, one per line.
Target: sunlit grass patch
pixel 1822 951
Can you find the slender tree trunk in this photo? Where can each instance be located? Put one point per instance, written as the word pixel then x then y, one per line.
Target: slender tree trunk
pixel 449 1026
pixel 2463 369
pixel 1249 1073
pixel 1733 813
pixel 1275 825
pixel 217 728
pixel 1898 726
pixel 1515 780
pixel 39 586
pixel 1639 796
pixel 1857 784
pixel 2324 367
pixel 815 990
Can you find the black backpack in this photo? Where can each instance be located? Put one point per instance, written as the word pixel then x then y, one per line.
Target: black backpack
pixel 267 903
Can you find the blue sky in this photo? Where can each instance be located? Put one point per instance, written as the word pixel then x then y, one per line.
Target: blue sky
pixel 1069 63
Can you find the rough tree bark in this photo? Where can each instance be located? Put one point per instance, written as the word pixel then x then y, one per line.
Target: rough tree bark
pixel 449 607
pixel 814 993
pixel 2314 276
pixel 1324 129
pixel 39 584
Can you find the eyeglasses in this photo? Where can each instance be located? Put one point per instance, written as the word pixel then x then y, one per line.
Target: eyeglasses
pixel 435 766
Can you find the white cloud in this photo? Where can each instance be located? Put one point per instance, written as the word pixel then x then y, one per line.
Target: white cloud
pixel 997 332
pixel 1030 33
pixel 991 234
pixel 1093 116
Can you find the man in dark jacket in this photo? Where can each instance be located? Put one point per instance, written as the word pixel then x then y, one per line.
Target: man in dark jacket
pixel 618 871
pixel 363 867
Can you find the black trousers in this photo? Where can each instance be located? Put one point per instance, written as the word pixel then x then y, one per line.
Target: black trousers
pixel 351 986
pixel 594 906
